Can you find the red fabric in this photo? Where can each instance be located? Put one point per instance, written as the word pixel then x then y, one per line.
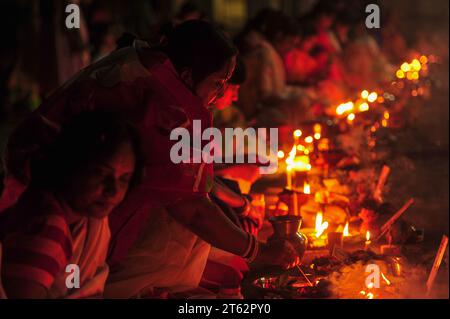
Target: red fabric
pixel 155 99
pixel 217 275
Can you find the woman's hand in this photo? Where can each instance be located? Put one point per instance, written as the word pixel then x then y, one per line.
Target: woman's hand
pixel 281 254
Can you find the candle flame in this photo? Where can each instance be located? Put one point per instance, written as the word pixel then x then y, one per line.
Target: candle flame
pixel 344 107
pixel 372 97
pixel 280 154
pixel 306 188
pixel 309 139
pixel 363 107
pixel 367 235
pixel 346 232
pixel 364 94
pixel 351 117
pixel 317 136
pixel 387 281
pixel 297 133
pixel 320 227
pixel 317 128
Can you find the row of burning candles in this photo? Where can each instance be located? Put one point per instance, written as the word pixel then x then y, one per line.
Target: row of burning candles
pixel 409 70
pixel 298 160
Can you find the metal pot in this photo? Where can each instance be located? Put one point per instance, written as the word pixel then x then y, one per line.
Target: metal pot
pixel 286 228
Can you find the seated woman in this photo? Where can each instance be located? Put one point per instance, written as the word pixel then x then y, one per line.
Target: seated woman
pixel 62 218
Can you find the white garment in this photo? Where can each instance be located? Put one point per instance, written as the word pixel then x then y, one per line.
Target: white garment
pixel 90 240
pixel 167 255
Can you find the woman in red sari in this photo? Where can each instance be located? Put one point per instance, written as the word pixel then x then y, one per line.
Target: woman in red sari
pixel 158 89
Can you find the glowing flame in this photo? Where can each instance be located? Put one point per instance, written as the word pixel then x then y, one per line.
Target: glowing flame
pixel 280 154
pixel 317 136
pixel 363 107
pixel 344 107
pixel 405 67
pixel 386 115
pixel 367 235
pixel 415 65
pixel 364 94
pixel 297 163
pixel 317 128
pixel 372 97
pixel 387 281
pixel 369 295
pixel 346 233
pixel 320 227
pixel 400 74
pixel 423 59
pixel 306 188
pixel 309 139
pixel 351 117
pixel 300 148
pixel 297 133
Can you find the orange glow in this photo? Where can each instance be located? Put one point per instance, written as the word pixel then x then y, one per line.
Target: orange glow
pixel 400 74
pixel 320 226
pixel 306 188
pixel 363 107
pixel 405 67
pixel 351 117
pixel 384 123
pixel 280 154
pixel 300 148
pixel 415 65
pixel 387 281
pixel 367 235
pixel 386 115
pixel 409 76
pixel 317 128
pixel 372 97
pixel 317 136
pixel 380 99
pixel 344 107
pixel 364 94
pixel 297 163
pixel 346 233
pixel 297 133
pixel 423 59
pixel 415 75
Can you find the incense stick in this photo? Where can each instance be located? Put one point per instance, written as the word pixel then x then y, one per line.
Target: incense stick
pixel 437 263
pixel 394 218
pixel 304 276
pixel 381 181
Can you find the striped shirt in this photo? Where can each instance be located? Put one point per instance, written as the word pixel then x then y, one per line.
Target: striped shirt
pixel 36 239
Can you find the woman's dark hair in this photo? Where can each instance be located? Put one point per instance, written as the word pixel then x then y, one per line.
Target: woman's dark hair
pixel 91 137
pixel 125 40
pixel 188 8
pixel 239 74
pixel 270 23
pixel 198 45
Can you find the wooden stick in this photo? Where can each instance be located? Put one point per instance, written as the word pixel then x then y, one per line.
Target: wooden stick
pixel 394 218
pixel 304 276
pixel 381 181
pixel 437 263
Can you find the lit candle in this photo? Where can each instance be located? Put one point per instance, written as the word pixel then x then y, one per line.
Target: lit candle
pixel 297 134
pixel 289 177
pixel 306 188
pixel 368 242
